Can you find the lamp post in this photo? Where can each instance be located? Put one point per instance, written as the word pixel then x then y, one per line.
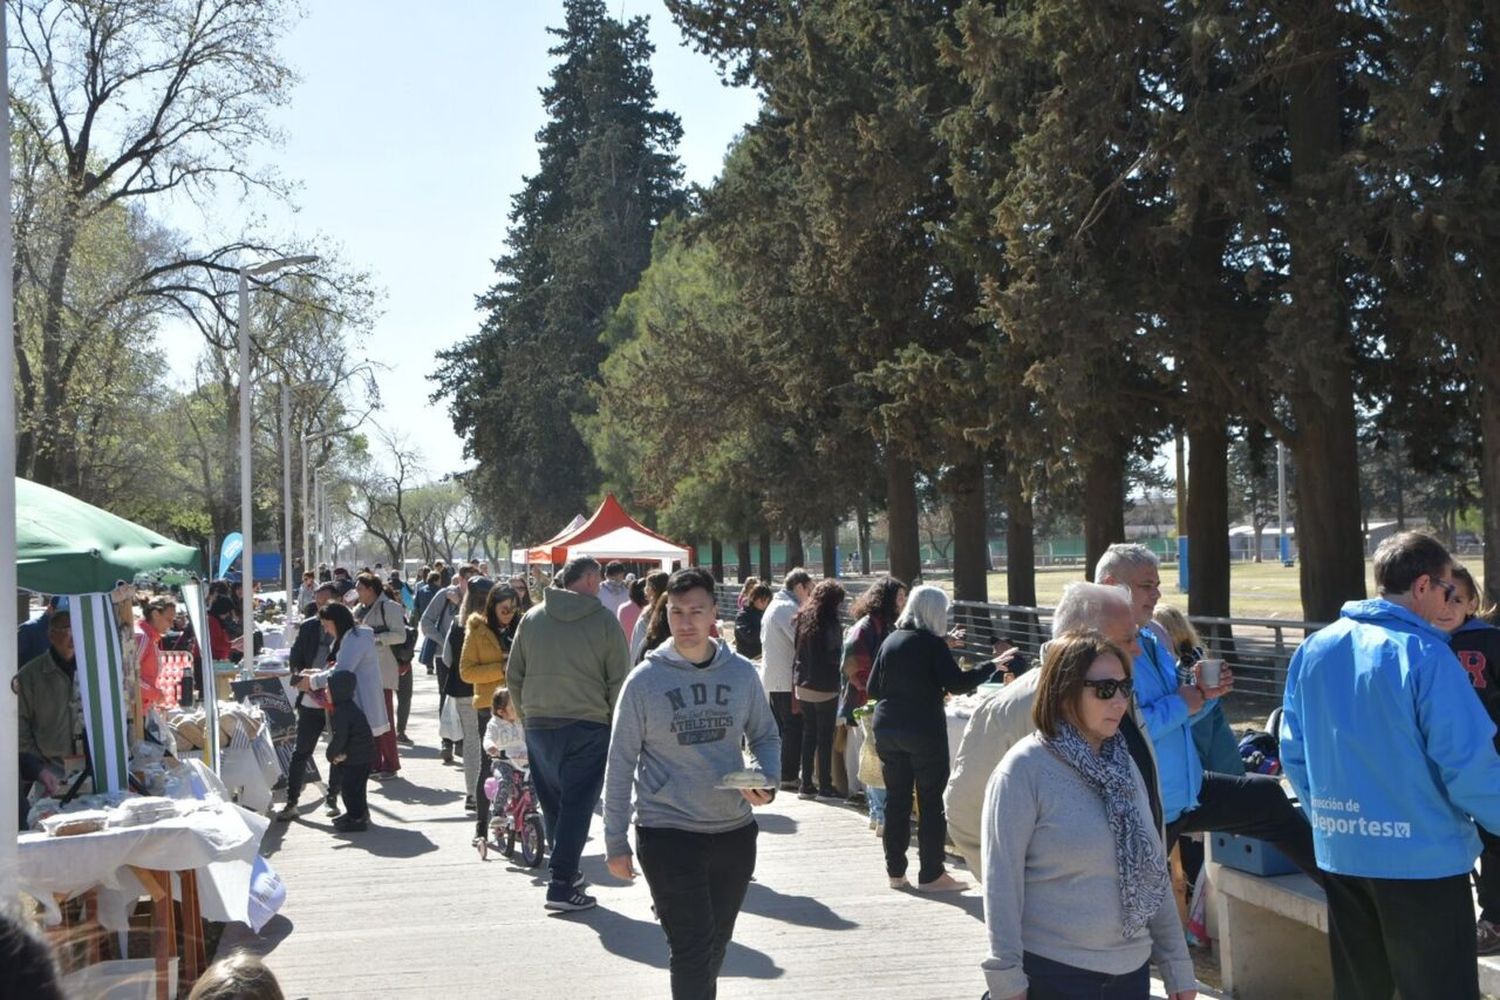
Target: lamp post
pixel 317 524
pixel 247 505
pixel 9 771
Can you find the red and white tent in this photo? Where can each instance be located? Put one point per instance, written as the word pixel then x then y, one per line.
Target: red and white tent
pixel 611 534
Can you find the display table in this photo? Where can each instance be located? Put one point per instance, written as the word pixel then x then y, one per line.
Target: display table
pixel 113 868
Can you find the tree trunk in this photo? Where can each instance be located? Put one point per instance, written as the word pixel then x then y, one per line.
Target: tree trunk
pixel 1489 472
pixel 1208 513
pixel 971 557
pixel 742 551
pixel 795 555
pixel 903 547
pixel 1103 503
pixel 830 540
pixel 1331 551
pixel 863 522
pixel 716 548
pixel 1020 543
pixel 766 573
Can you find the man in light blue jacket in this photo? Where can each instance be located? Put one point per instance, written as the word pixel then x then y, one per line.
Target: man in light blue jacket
pixel 1194 800
pixel 1391 754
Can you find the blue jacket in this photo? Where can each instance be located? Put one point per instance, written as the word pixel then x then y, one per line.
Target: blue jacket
pixel 1387 747
pixel 1170 726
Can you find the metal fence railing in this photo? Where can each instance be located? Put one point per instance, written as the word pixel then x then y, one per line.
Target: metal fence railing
pixel 1256 649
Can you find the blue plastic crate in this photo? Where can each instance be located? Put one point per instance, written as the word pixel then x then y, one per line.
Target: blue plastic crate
pixel 1246 854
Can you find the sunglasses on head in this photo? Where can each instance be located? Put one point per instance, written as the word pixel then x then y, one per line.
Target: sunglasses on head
pixel 1106 689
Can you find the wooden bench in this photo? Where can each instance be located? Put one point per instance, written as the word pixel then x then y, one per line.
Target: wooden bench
pixel 1273 938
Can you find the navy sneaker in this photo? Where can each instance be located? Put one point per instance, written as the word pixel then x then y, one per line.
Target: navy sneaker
pixel 568 899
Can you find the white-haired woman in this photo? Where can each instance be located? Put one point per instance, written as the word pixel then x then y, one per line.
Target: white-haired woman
pixel 912 673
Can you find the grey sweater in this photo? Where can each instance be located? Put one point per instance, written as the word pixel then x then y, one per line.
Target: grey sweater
pixel 677 731
pixel 1051 883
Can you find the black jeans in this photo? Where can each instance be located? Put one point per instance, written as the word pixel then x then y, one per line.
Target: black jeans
pixel 789 724
pixel 310 723
pixel 921 761
pixel 481 801
pixel 1049 980
pixel 403 701
pixel 353 779
pixel 819 720
pixel 698 883
pixel 1415 936
pixel 442 681
pixel 1252 805
pixel 1487 881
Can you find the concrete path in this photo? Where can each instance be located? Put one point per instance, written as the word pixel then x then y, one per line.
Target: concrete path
pixel 408 910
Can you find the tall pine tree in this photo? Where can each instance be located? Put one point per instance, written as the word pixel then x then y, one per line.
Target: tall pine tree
pixel 579 238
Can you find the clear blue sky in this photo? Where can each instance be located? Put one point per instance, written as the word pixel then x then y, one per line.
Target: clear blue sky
pixel 409 133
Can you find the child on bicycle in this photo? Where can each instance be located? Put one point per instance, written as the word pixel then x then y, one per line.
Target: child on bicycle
pixel 505 741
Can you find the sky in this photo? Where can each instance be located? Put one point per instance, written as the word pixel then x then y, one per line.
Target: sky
pixel 408 136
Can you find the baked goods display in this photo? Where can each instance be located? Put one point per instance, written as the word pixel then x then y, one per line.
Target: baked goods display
pixel 71 824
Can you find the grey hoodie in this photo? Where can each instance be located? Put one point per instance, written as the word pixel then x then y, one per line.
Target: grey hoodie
pixel 676 734
pixel 567 662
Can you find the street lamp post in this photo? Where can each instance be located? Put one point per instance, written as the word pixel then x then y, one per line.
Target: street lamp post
pixel 247 505
pixel 317 524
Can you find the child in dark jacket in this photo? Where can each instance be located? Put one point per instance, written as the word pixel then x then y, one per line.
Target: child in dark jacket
pixel 1476 642
pixel 352 746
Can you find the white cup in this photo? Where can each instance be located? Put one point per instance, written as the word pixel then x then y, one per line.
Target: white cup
pixel 1209 672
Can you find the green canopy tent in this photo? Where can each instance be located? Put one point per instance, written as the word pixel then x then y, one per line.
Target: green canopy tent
pixel 66 546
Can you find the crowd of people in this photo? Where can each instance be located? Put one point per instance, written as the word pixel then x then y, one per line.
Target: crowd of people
pixel 1076 776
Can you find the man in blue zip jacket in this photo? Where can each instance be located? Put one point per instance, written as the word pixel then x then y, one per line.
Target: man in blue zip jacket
pixel 1393 755
pixel 1194 800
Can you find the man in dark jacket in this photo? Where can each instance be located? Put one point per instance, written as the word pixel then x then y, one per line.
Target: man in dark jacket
pixel 309 652
pixel 351 746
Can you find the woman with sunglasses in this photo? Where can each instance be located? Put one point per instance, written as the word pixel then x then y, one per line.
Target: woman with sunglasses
pixel 912 673
pixel 1077 894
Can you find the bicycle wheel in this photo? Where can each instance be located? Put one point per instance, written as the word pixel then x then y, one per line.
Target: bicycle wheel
pixel 532 841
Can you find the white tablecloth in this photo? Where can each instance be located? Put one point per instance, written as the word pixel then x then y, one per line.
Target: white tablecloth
pixel 69 865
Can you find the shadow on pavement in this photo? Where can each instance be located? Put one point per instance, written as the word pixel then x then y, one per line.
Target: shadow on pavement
pixel 803 911
pixel 770 822
pixel 381 841
pixel 971 902
pixel 643 942
pixel 401 790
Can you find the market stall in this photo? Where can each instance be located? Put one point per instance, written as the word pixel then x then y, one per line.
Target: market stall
pixel 100 847
pixel 611 533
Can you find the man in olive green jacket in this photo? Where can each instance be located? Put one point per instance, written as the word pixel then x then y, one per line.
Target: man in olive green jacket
pixel 46 714
pixel 564 672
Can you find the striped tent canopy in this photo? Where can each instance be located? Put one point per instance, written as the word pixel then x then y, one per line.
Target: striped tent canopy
pixel 101 688
pixel 66 546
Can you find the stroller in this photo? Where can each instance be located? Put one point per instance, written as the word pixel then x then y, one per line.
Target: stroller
pixel 514 814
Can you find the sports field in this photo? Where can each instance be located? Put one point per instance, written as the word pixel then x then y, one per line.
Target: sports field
pixel 1258 590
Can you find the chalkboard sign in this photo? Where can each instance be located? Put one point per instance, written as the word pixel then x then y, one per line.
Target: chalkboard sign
pixel 273 696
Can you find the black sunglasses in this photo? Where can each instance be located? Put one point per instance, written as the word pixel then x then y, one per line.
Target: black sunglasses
pixel 1105 690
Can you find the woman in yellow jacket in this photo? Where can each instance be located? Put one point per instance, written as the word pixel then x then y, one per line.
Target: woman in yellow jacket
pixel 487 639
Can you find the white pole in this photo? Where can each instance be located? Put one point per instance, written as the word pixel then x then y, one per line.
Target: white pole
pixel 247 506
pixel 286 498
pixel 10 777
pixel 308 562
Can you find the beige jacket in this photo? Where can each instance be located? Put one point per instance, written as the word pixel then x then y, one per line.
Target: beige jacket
pixel 1000 722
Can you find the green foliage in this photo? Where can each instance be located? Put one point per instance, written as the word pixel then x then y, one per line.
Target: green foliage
pixel 580 235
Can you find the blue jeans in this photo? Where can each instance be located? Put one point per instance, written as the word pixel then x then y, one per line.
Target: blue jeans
pixel 876 798
pixel 567 768
pixel 1051 980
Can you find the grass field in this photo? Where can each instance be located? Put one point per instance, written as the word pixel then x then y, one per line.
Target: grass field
pixel 1257 590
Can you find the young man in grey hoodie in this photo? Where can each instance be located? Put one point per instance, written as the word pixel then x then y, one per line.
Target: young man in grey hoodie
pixel 678 725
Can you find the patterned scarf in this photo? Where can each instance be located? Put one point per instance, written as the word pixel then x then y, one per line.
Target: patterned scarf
pixel 1144 879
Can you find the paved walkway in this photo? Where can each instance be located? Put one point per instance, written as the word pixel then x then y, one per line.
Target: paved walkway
pixel 408 910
